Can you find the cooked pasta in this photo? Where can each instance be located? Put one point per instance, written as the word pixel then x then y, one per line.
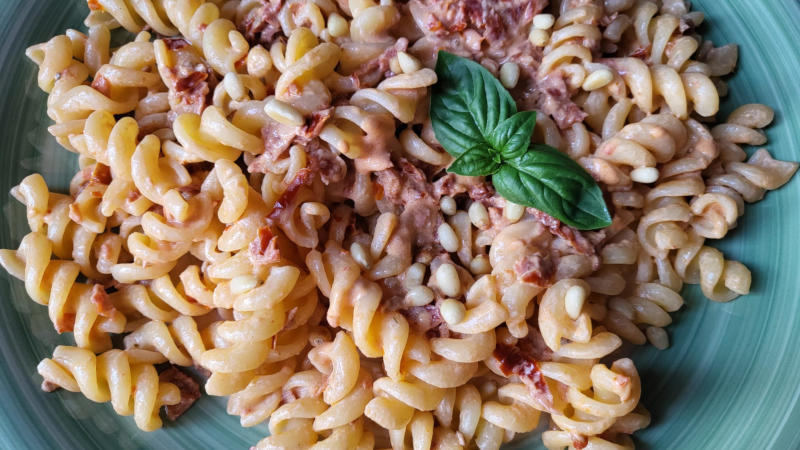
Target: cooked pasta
pixel 262 198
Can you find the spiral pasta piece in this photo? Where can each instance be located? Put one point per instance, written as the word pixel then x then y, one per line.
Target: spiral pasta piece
pixel 371 117
pixel 649 306
pixel 66 61
pixel 738 181
pixel 518 246
pixel 262 196
pixel 395 401
pixel 131 384
pixel 261 396
pixel 264 317
pixel 80 308
pixel 198 20
pixel 568 50
pixel 682 92
pixel 253 380
pixel 354 303
pixel 347 391
pixel 73 225
pixel 643 144
pixel 720 280
pixel 180 342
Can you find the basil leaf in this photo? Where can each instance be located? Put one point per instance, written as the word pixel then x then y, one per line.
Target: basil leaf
pixel 513 135
pixel 455 132
pixel 475 120
pixel 467 104
pixel 550 181
pixel 476 162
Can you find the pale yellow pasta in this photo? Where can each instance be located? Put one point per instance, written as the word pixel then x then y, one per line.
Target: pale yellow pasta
pixel 132 386
pixel 565 51
pixel 554 322
pixel 260 397
pixel 195 133
pixel 354 306
pixel 52 283
pixel 136 302
pixel 180 342
pixel 262 196
pixel 234 191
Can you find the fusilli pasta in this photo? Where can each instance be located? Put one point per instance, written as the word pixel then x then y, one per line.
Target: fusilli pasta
pixel 262 199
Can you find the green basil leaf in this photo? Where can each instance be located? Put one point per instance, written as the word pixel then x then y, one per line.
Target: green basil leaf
pixel 550 181
pixel 467 104
pixel 475 120
pixel 476 162
pixel 512 137
pixel 455 132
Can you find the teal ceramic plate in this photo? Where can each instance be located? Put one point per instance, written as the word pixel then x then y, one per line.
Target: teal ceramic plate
pixel 731 379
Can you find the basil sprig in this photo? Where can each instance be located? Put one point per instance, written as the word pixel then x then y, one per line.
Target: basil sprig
pixel 475 120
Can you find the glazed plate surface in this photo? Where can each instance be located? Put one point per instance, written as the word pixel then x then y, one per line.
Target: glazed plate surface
pixel 730 380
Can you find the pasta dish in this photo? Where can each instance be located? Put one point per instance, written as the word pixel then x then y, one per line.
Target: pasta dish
pixel 371 224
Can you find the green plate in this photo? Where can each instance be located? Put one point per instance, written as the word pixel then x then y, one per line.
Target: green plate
pixel 731 379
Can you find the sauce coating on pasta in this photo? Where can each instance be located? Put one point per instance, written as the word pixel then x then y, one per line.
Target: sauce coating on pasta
pixel 262 196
